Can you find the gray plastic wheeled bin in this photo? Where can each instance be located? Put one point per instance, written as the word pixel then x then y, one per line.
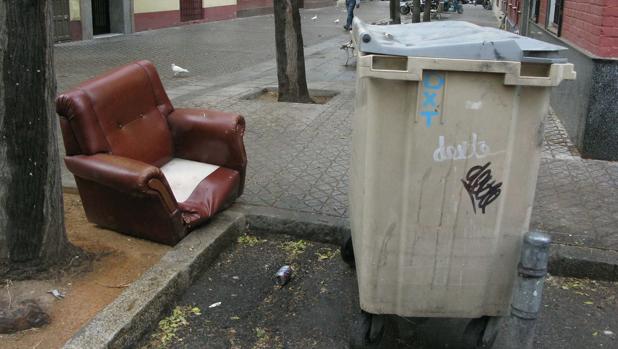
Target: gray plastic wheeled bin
pixel 447 137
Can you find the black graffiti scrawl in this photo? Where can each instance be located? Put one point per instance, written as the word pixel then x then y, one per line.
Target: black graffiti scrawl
pixel 481 187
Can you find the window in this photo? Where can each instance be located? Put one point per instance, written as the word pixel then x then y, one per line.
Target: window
pixel 554 16
pixel 534 10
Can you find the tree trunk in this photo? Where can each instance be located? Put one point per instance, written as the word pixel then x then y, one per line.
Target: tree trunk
pixel 427 11
pixel 32 235
pixel 290 54
pixel 394 10
pixel 416 11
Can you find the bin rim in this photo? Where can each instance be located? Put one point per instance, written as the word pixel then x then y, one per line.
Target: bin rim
pixel 454 40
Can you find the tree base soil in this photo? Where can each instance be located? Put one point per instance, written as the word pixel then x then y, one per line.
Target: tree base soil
pixel 117 261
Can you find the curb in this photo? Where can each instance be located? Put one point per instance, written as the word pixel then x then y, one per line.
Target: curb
pixel 564 260
pixel 123 322
pixel 583 262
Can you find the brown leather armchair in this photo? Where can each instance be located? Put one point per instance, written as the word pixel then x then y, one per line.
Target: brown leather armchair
pixel 142 167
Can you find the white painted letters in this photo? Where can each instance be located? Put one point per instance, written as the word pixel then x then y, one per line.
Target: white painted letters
pixel 476 149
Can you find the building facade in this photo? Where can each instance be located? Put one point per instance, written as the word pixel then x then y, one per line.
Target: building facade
pixel 85 19
pixel 588 106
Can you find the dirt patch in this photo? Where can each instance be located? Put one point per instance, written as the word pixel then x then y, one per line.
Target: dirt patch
pixel 119 261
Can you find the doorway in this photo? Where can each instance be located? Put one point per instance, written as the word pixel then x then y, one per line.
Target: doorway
pixel 61 20
pixel 100 17
pixel 191 10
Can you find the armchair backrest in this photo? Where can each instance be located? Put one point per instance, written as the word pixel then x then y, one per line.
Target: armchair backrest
pixel 123 112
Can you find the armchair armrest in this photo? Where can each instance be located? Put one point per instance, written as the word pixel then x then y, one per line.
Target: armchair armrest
pixel 209 136
pixel 117 172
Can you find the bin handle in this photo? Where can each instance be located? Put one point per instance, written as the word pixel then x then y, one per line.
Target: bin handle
pixel 415 65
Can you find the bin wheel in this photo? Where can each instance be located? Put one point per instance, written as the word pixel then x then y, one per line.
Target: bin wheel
pixel 347 250
pixel 473 334
pixel 368 332
pixel 404 10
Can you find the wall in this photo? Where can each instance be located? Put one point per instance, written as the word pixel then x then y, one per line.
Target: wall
pixel 609 32
pixel 591 25
pixel 587 106
pixel 74 10
pixel 152 14
pixel 570 99
pixel 601 133
pixel 582 21
pixel 75 24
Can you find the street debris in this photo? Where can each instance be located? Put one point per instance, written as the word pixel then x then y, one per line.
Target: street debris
pixel 325 253
pixel 113 286
pixel 314 18
pixel 336 21
pixel 295 248
pixel 24 315
pixel 56 293
pixel 249 240
pixel 608 333
pixel 214 305
pixel 169 325
pixel 283 275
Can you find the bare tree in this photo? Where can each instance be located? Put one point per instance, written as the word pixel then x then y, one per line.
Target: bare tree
pixel 427 11
pixel 416 11
pixel 290 53
pixel 32 233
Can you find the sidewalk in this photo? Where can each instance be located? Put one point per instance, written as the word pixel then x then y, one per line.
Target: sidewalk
pixel 299 154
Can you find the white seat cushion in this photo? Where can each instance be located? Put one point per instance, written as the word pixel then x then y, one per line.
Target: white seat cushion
pixel 184 175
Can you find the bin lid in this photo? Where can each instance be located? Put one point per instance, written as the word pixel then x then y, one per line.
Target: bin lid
pixel 452 39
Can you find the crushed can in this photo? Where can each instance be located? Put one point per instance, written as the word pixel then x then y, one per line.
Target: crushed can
pixel 283 275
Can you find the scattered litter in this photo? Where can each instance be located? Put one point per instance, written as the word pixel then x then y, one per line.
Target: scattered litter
pixel 235 277
pixel 56 293
pixel 283 275
pixel 234 317
pixel 113 286
pixel 214 305
pixel 337 20
pixel 314 17
pixel 608 333
pixel 588 302
pixel 388 35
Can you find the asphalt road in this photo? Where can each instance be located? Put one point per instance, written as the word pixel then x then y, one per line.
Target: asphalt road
pixel 316 308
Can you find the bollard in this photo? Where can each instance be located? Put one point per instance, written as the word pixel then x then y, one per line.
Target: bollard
pixel 517 330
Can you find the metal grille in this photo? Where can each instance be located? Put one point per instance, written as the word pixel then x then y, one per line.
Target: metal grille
pixel 100 17
pixel 190 10
pixel 61 20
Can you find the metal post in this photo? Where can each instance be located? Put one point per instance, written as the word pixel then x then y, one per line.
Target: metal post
pixel 517 330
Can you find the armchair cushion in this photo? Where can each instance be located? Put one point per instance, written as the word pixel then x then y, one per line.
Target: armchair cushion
pixel 183 176
pixel 213 194
pixel 201 190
